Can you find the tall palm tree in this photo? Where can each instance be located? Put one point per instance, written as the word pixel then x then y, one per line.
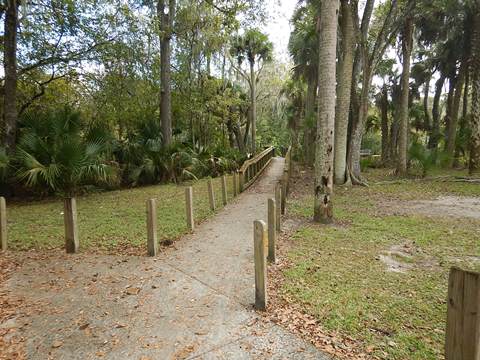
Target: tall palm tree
pixel 303 48
pixel 474 166
pixel 407 42
pixel 255 47
pixel 327 45
pixel 344 85
pixel 165 15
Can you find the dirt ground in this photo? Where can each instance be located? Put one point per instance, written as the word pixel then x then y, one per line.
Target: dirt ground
pixel 447 206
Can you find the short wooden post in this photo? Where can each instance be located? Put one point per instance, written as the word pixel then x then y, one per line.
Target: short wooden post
pixel 272 230
pixel 284 195
pixel 224 190
pixel 235 185
pixel 70 220
pixel 286 176
pixel 189 207
pixel 462 340
pixel 152 243
pixel 3 224
pixel 260 238
pixel 241 179
pixel 211 194
pixel 278 202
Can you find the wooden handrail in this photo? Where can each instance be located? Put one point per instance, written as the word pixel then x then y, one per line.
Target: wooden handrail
pixel 253 167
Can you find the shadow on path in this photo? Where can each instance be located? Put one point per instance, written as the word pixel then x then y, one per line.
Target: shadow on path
pixel 192 302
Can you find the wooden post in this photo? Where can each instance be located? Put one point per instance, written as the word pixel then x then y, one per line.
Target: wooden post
pixel 189 207
pixel 224 190
pixel 235 185
pixel 462 340
pixel 278 202
pixel 272 230
pixel 3 224
pixel 241 176
pixel 211 194
pixel 70 220
pixel 260 238
pixel 284 195
pixel 152 243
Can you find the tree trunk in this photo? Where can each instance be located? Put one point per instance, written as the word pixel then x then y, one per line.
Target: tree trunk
pixel 435 131
pixel 474 165
pixel 166 31
pixel 359 126
pixel 253 106
pixel 466 86
pixel 238 137
pixel 323 208
pixel 385 133
pixel 10 67
pixel 452 125
pixel 403 118
pixel 344 86
pixel 360 103
pixel 449 110
pixel 309 123
pixel 426 89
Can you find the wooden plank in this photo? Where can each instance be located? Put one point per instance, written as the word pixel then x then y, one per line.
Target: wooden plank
pixel 70 221
pixel 224 190
pixel 260 238
pixel 211 194
pixel 284 195
pixel 462 338
pixel 235 184
pixel 272 230
pixel 278 201
pixel 189 207
pixel 3 224
pixel 471 316
pixel 152 243
pixel 241 176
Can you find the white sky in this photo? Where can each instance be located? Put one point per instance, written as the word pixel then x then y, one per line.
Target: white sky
pixel 278 26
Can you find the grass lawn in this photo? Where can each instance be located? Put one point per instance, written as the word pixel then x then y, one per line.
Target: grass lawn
pixel 338 276
pixel 113 221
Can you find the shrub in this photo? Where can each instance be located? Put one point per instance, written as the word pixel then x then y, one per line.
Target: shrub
pixel 52 155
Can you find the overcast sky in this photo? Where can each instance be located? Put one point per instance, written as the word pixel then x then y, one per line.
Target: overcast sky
pixel 278 27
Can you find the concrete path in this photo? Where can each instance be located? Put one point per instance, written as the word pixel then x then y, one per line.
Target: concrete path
pixel 192 302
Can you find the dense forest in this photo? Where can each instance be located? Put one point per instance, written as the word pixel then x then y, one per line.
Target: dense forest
pixel 399 78
pixel 117 93
pixel 120 93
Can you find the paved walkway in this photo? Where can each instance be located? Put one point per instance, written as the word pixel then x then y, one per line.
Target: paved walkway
pixel 192 302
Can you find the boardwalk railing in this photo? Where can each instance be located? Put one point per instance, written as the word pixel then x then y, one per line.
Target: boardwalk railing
pixel 253 167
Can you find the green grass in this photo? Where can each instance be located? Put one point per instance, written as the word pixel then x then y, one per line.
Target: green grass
pixel 337 275
pixel 109 221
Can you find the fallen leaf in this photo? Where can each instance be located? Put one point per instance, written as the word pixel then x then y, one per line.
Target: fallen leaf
pixel 133 291
pixel 57 344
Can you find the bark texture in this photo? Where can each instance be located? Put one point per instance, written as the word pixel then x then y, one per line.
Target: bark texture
pixel 166 16
pixel 323 208
pixel 253 106
pixel 426 111
pixel 474 165
pixel 435 130
pixel 344 85
pixel 453 116
pixel 407 42
pixel 309 126
pixel 10 113
pixel 383 105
